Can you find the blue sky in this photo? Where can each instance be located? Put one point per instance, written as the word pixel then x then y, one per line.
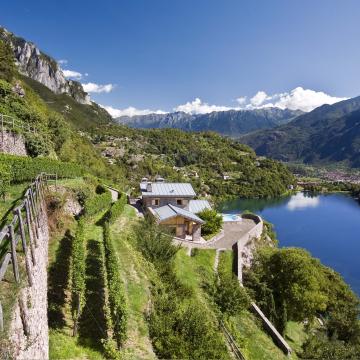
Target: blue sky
pixel 159 54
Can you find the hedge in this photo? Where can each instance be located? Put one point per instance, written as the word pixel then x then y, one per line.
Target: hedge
pixel 118 309
pixel 78 273
pixel 117 208
pixel 26 169
pixel 97 203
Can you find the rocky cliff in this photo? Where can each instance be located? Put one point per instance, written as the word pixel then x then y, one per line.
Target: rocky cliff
pixel 38 66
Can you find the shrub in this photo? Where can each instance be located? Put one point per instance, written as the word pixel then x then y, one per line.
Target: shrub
pixel 26 169
pixel 117 301
pixel 36 145
pixel 213 221
pixel 78 273
pixel 230 297
pixel 5 177
pixel 97 203
pixel 117 208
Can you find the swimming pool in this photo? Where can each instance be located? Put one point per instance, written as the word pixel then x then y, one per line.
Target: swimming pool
pixel 231 217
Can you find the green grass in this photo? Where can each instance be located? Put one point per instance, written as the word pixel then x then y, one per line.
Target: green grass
pixel 74 184
pixel 253 340
pixel 226 261
pixel 295 335
pixel 13 198
pixel 63 346
pixel 193 270
pixel 135 272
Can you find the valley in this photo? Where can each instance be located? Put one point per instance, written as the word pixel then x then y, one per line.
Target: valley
pixel 130 278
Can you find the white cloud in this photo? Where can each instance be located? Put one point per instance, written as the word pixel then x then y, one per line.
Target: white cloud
pixel 259 98
pixel 62 61
pixel 130 111
pixel 299 201
pixel 296 99
pixel 241 100
pixel 305 99
pixel 96 88
pixel 199 107
pixel 72 74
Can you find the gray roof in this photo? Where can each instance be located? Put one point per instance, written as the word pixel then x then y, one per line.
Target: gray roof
pixel 169 211
pixel 168 189
pixel 196 206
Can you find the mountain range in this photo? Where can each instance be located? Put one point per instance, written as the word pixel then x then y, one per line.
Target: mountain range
pixel 231 123
pixel 329 133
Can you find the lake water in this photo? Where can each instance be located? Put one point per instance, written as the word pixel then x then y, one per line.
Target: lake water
pixel 326 225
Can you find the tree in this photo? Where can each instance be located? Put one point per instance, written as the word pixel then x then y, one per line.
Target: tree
pixel 213 221
pixel 230 297
pixel 7 65
pixel 295 278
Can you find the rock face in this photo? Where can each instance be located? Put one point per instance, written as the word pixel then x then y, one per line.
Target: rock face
pixel 12 143
pixel 40 67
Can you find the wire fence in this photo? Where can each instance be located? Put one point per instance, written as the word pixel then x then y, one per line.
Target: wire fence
pixel 20 237
pixel 10 123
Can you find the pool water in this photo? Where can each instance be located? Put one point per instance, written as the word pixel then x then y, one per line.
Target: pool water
pixel 231 217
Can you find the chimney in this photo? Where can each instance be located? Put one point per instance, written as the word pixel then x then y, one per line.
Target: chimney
pixel 159 179
pixel 148 187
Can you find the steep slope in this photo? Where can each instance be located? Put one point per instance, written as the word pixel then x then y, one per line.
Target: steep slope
pixel 82 116
pixel 231 123
pixel 37 65
pixel 330 133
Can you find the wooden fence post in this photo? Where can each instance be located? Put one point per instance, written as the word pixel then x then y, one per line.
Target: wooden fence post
pixel 30 230
pixel 13 253
pixel 23 241
pixel 33 205
pixel 32 219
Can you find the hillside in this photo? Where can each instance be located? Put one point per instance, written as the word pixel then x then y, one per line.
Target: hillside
pixel 230 123
pixel 75 132
pixel 330 133
pixel 37 65
pixel 216 166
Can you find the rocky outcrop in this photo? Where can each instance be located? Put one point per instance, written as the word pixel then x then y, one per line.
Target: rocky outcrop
pixel 38 66
pixel 12 143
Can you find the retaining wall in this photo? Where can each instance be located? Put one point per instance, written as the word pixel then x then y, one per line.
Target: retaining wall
pixel 12 143
pixel 29 334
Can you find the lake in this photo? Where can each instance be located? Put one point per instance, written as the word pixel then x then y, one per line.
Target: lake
pixel 326 225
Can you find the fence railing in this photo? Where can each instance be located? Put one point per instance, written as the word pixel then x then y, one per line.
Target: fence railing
pixel 21 235
pixel 232 343
pixel 10 123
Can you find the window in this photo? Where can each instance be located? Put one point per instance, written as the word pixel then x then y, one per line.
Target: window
pixel 155 202
pixel 178 201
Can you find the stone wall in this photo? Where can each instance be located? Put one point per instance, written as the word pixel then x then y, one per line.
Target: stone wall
pixel 11 143
pixel 250 236
pixel 28 333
